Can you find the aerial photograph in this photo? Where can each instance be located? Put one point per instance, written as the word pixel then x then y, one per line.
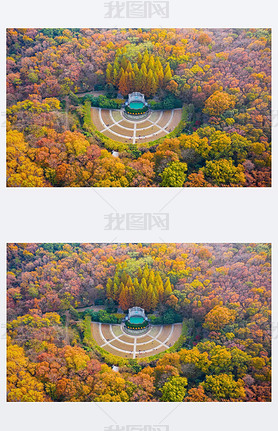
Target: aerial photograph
pixel 136 107
pixel 90 322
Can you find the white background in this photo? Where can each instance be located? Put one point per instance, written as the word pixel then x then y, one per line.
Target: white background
pixel 196 215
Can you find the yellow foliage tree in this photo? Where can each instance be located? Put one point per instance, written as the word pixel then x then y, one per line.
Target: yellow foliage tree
pixel 218 317
pixel 21 170
pixel 21 385
pixel 219 102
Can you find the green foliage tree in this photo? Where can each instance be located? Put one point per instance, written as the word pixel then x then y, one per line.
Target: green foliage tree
pixel 174 175
pixel 224 386
pixel 174 389
pixel 223 173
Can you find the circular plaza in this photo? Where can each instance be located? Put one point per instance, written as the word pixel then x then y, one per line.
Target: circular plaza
pixel 114 339
pixel 146 127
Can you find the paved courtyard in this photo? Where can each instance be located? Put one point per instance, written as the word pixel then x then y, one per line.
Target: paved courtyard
pixel 114 125
pixel 113 339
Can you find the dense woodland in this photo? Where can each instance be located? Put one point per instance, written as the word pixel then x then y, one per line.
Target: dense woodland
pixel 221 77
pixel 221 292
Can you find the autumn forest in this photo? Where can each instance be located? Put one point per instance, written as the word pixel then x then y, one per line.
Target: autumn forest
pixel 219 80
pixel 216 298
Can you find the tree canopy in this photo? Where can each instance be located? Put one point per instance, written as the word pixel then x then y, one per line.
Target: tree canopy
pixel 221 292
pixel 221 78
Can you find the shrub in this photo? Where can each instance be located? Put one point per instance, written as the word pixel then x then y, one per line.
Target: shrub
pixel 155 105
pixel 142 325
pixel 102 316
pixel 93 315
pixel 169 102
pixel 155 320
pixel 171 316
pixel 102 101
pixel 136 111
